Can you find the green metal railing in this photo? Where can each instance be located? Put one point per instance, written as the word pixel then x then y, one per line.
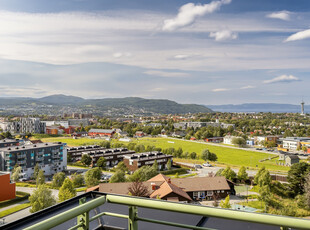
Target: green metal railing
pixel 83 220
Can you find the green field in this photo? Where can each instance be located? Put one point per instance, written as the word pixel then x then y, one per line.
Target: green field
pixel 73 142
pixel 226 156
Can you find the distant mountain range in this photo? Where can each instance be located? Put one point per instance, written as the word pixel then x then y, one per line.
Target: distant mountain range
pixel 128 105
pixel 259 107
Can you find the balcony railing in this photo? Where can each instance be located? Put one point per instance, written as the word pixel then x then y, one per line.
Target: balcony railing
pixel 21 156
pixel 83 219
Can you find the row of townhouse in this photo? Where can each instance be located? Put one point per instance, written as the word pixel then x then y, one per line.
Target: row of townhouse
pixel 132 160
pixel 196 124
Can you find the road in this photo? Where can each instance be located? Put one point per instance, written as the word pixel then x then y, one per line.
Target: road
pixel 26 212
pixel 204 171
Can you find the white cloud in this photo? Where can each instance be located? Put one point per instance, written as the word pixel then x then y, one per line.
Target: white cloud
pixel 248 87
pixel 166 74
pixel 283 15
pixel 223 35
pixel 220 90
pixel 299 36
pixel 181 56
pixel 282 78
pixel 157 89
pixel 119 55
pixel 189 12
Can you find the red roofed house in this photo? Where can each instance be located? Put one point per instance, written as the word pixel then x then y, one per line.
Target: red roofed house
pixel 101 132
pixel 178 189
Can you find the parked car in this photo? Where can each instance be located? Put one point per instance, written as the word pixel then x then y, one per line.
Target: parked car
pixel 207 164
pixel 198 166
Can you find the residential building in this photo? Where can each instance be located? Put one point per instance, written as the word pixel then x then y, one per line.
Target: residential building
pixel 178 189
pixel 214 139
pixel 7 191
pixel 228 139
pixel 8 142
pixel 51 157
pixel 140 134
pixel 294 143
pixel 135 161
pixel 291 159
pixel 27 125
pixel 101 132
pixel 78 122
pixel 112 156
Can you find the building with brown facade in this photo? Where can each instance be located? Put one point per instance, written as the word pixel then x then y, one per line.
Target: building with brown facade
pixel 7 190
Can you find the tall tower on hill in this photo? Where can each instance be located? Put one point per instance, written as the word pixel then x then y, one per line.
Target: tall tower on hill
pixel 302 108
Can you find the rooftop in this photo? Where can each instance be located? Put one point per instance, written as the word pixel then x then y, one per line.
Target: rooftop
pixel 34 146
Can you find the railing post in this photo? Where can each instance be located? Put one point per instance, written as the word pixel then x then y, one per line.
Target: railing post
pixel 132 222
pixel 83 219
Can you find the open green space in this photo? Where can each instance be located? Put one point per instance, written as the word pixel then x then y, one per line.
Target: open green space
pixel 73 142
pixel 20 196
pixel 14 209
pixel 227 156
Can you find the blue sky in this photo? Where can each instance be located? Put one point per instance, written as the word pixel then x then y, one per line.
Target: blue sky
pixel 205 52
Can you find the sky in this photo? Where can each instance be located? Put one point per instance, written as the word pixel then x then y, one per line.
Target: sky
pixel 203 52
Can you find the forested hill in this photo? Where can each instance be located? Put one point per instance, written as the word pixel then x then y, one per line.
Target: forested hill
pixel 128 105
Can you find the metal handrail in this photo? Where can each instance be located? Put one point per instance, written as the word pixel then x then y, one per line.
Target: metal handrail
pixel 133 202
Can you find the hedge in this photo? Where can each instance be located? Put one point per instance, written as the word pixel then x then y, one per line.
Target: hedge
pixel 174 171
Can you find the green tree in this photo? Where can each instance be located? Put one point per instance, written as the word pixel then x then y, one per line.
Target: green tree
pixel 36 171
pixel 242 174
pixel 118 176
pixel 101 162
pixel 16 173
pixel 193 155
pixel 225 203
pixel 155 165
pixel 143 174
pixel 121 166
pixel 297 177
pixel 239 141
pixel 41 198
pixel 86 159
pixel 66 191
pixel 77 180
pixel 258 174
pixel 307 191
pixel 58 179
pixel 40 178
pixel 92 177
pixel 229 173
pixel 105 144
pixel 207 155
pixel 169 164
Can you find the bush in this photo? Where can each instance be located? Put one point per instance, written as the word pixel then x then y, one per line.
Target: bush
pixel 174 171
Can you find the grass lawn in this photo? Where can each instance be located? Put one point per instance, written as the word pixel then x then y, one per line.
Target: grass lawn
pixel 14 209
pixel 73 142
pixel 226 156
pixel 254 204
pixel 20 196
pixel 83 189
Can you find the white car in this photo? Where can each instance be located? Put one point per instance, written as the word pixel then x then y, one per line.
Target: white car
pixel 207 165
